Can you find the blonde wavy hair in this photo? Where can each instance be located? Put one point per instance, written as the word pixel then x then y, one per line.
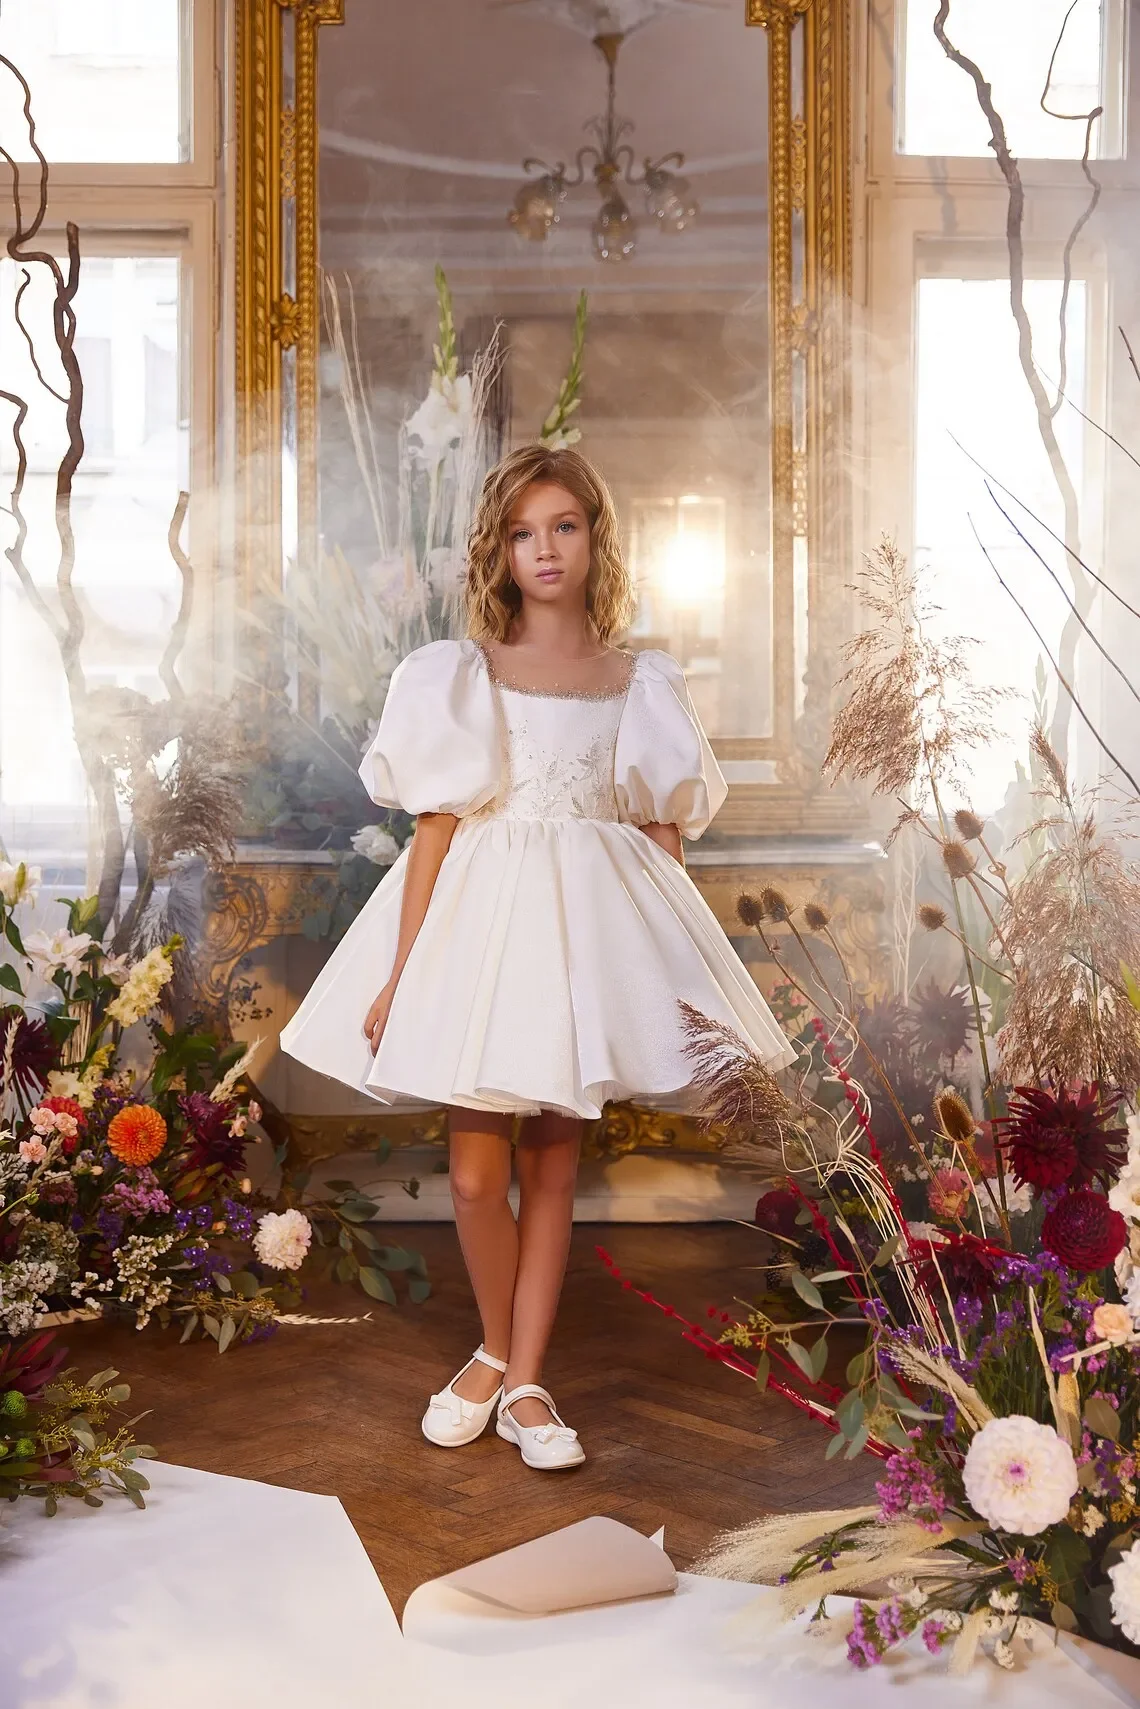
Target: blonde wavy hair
pixel 491 599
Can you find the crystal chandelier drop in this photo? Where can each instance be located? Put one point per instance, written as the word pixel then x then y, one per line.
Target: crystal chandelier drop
pixel 610 162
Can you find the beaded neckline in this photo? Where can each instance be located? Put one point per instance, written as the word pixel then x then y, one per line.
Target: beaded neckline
pixel 617 693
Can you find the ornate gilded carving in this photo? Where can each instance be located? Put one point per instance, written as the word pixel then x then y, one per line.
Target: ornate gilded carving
pixel 288 154
pixel 799 163
pixel 285 319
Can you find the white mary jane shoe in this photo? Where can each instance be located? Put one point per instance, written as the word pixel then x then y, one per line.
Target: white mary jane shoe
pixel 450 1421
pixel 547 1447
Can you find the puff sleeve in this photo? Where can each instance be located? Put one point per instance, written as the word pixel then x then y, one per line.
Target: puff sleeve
pixel 437 748
pixel 665 772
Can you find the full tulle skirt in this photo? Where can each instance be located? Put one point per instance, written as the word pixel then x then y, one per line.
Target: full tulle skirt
pixel 547 974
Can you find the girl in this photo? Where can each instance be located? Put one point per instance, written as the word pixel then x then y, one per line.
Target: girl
pixel 532 943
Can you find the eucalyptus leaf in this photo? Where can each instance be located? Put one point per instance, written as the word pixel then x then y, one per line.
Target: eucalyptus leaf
pixel 807 1291
pixel 819 1358
pixel 344 1239
pixel 226 1333
pixel 395 1258
pixel 346 1267
pixel 211 1325
pixel 366 1238
pixel 418 1290
pixel 1063 1617
pixel 118 1394
pixel 802 1358
pixel 834 1446
pixel 850 1412
pixel 831 1276
pixel 886 1252
pixel 763 1370
pixel 102 1378
pixel 858 1442
pixel 222 1282
pixel 245 1284
pixel 191 1326
pixel 376 1283
pixel 857 1369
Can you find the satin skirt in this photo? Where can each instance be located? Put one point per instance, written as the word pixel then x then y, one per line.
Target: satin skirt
pixel 547 975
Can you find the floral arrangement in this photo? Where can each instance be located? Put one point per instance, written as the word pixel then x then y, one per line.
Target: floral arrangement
pixel 124 1186
pixel 58 1436
pixel 953 1272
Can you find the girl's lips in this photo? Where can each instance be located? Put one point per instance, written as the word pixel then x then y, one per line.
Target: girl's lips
pixel 549 575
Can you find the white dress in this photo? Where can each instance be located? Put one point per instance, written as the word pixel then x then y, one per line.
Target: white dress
pixel 559 938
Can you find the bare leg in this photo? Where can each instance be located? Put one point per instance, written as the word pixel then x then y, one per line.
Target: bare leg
pixel 547 1163
pixel 480 1175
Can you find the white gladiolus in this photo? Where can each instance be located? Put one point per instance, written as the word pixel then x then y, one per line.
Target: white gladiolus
pixel 283 1239
pixel 52 950
pixel 1125 1576
pixel 442 420
pixel 1019 1475
pixel 376 844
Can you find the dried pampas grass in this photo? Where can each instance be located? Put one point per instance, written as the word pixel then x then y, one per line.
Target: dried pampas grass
pixel 732 1084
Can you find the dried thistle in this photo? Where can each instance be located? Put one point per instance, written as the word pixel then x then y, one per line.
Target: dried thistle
pixel 195 807
pixel 732 1084
pixel 816 918
pixel 955 1117
pixel 931 917
pixel 749 910
pixel 775 904
pixel 957 859
pixel 969 825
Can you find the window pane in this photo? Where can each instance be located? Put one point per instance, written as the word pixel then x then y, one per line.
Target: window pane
pixel 105 77
pixel 967 350
pixel 1012 42
pixel 125 489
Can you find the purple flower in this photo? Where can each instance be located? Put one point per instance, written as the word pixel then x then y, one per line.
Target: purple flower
pixel 934 1635
pixel 912 1487
pixel 138 1198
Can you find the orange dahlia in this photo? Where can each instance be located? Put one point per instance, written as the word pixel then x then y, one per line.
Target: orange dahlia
pixel 137 1134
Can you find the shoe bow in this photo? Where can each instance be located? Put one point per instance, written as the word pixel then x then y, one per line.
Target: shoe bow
pixel 457 1409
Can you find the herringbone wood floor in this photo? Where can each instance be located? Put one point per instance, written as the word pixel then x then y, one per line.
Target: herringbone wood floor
pixel 672 1438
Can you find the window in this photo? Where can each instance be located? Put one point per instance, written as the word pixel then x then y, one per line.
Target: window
pixel 123 97
pixel 1011 41
pixel 967 351
pixel 106 79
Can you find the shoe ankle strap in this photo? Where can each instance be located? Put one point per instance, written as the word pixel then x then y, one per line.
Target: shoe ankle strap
pixel 529 1389
pixel 488 1359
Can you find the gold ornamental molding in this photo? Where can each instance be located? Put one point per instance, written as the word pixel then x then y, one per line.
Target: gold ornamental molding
pixel 278 288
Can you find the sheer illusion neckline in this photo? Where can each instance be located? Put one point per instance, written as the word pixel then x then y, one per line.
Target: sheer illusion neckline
pixel 617 692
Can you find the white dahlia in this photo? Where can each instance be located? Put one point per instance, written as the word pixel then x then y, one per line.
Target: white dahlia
pixel 1019 1475
pixel 283 1239
pixel 1125 1576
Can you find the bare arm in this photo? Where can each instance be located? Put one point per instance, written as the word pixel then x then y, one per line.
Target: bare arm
pixel 430 844
pixel 667 837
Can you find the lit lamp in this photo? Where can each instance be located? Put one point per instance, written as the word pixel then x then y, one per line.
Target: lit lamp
pixel 667 195
pixel 536 205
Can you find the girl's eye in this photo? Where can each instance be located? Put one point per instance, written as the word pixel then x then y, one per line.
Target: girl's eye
pixel 518 533
pixel 568 525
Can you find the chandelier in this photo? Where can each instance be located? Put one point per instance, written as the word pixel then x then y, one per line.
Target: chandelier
pixel 610 162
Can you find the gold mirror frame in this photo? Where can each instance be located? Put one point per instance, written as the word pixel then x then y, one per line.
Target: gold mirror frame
pixel 810 265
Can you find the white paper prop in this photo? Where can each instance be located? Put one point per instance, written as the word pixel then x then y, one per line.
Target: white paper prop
pixel 594 1562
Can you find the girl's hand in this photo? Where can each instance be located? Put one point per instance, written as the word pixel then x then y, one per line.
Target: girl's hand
pixel 377 1017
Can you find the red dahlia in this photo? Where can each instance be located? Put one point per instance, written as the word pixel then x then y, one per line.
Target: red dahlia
pixel 967 1265
pixel 1084 1231
pixel 1051 1139
pixel 776 1212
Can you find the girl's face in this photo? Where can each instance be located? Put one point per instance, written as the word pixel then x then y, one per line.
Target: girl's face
pixel 548 543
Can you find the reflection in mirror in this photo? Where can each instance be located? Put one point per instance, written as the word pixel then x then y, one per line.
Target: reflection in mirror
pixel 575 218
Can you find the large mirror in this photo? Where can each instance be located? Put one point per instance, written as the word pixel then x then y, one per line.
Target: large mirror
pixel 592 201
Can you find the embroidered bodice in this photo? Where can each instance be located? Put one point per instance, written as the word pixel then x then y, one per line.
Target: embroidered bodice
pixel 557 755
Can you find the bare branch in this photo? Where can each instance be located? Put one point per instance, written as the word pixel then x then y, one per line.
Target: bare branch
pixel 182 622
pixel 1015 216
pixel 1067 686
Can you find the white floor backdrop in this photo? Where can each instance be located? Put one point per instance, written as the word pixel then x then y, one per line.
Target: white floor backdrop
pixel 228 1594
